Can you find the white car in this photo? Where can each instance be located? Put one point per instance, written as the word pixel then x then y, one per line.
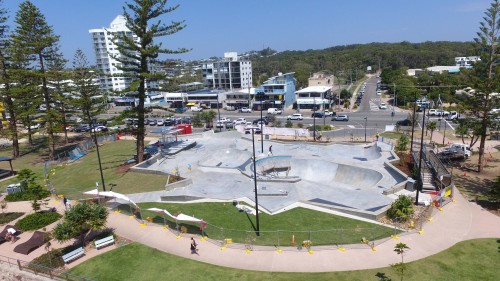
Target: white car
pixel 196 108
pixel 240 121
pixel 224 120
pixel 35 127
pixel 245 110
pixel 383 105
pixel 432 112
pixel 379 92
pixel 328 113
pixel 160 122
pixel 99 129
pixel 296 116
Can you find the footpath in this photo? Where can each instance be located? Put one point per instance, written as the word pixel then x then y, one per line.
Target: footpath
pixel 458 221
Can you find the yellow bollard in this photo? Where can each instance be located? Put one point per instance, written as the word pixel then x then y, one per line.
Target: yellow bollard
pixel 342 249
pixel 421 231
pixel 395 237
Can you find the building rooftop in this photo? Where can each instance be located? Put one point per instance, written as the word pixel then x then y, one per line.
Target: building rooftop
pixel 314 89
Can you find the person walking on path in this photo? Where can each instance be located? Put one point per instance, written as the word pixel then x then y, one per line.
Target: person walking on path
pixel 270 151
pixel 194 249
pixel 65 202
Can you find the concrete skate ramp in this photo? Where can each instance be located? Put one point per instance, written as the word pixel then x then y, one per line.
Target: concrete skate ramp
pixel 227 158
pixel 372 152
pixel 325 173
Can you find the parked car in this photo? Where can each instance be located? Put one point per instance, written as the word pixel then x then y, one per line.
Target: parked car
pixel 245 110
pixel 432 112
pixel 35 127
pixel 82 128
pixel 224 120
pixel 329 113
pixel 382 105
pixel 341 117
pixel 406 122
pixel 160 122
pixel 196 108
pixel 453 115
pixel 99 129
pixel 219 124
pixel 257 130
pixel 240 121
pixel 379 92
pixel 295 116
pixel 318 115
pixel 152 122
pixel 229 125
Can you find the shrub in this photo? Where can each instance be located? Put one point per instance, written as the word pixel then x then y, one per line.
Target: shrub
pixel 300 125
pixel 8 217
pixel 288 124
pixel 327 128
pixel 52 259
pixel 318 128
pixel 37 220
pixel 24 196
pixel 401 208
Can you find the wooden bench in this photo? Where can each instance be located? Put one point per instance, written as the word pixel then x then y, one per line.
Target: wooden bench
pixel 73 255
pixel 104 242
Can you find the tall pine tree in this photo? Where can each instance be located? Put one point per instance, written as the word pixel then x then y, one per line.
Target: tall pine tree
pixel 35 40
pixel 136 56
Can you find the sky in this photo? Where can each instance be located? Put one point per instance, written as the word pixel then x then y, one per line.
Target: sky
pixel 217 26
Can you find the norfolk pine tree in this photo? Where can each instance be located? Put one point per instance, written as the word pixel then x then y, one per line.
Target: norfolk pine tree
pixel 136 56
pixel 35 39
pixel 6 93
pixel 484 78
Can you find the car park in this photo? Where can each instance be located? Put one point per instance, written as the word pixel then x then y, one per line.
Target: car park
pixel 274 111
pixel 160 122
pixel 383 105
pixel 341 117
pixel 152 122
pixel 295 116
pixel 245 110
pixel 196 108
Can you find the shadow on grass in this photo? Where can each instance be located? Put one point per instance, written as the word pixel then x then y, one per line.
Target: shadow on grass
pixel 251 222
pixel 382 276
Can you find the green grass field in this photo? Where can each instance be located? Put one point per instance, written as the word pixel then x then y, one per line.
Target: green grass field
pixel 74 178
pixel 469 260
pixel 225 221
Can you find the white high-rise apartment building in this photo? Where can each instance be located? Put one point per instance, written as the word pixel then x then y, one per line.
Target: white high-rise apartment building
pixel 104 48
pixel 232 72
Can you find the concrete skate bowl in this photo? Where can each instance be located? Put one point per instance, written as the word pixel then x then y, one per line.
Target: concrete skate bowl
pixel 228 158
pixel 317 171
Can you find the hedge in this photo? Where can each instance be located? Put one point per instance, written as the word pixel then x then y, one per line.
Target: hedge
pixel 37 220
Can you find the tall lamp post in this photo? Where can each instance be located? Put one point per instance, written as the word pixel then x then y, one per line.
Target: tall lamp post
pixel 262 95
pixel 218 111
pixel 255 181
pixel 94 131
pixel 420 182
pixel 366 121
pixel 414 119
pixel 314 118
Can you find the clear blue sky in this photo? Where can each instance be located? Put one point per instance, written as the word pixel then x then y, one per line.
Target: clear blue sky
pixel 218 26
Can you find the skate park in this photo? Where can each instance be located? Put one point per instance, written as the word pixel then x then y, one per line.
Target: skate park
pixel 355 179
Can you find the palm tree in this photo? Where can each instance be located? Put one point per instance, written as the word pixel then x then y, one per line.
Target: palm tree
pixel 401 249
pixel 432 125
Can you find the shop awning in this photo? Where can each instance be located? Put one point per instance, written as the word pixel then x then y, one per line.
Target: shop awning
pixel 190 104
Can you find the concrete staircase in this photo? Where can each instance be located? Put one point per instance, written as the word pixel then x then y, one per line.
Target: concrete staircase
pixel 427 181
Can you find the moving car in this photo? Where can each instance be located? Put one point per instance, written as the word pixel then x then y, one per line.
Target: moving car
pixel 240 121
pixel 264 120
pixel 342 117
pixel 219 125
pixel 196 108
pixel 318 115
pixel 296 116
pixel 406 122
pixel 245 110
pixel 329 113
pixel 273 111
pixel 383 105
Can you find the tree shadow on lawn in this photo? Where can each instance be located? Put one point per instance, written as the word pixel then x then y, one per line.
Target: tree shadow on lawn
pixel 382 276
pixel 478 190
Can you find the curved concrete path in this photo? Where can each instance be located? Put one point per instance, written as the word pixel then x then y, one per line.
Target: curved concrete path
pixel 459 221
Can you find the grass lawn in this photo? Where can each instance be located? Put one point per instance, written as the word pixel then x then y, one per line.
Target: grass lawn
pixel 391 135
pixel 469 260
pixel 225 221
pixel 8 217
pixel 74 178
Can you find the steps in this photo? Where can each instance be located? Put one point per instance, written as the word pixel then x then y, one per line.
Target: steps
pixel 427 182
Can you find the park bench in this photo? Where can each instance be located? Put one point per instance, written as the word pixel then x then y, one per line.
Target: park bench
pixel 104 242
pixel 73 255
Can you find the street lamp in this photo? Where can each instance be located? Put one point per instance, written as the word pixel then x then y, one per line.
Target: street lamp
pixel 414 119
pixel 93 128
pixel 262 95
pixel 314 118
pixel 366 120
pixel 420 182
pixel 220 127
pixel 255 180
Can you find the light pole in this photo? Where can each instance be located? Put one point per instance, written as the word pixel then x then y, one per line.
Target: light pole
pixel 93 128
pixel 444 132
pixel 255 181
pixel 366 120
pixel 261 121
pixel 218 111
pixel 414 119
pixel 420 182
pixel 314 118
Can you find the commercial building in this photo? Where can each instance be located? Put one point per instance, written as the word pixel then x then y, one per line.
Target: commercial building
pixel 315 96
pixel 232 72
pixel 466 62
pixel 279 92
pixel 105 50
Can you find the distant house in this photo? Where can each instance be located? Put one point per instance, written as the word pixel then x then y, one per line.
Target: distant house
pixel 466 62
pixel 279 92
pixel 315 96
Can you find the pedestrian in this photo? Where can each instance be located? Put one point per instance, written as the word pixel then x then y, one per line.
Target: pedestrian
pixel 270 151
pixel 194 249
pixel 65 202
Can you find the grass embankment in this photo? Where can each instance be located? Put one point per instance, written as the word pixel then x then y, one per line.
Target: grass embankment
pixel 74 178
pixel 469 260
pixel 225 221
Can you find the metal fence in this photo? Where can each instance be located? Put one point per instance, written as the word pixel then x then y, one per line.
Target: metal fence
pixel 82 148
pixel 52 273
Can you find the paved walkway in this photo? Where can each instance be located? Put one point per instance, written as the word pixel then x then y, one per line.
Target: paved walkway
pixel 459 221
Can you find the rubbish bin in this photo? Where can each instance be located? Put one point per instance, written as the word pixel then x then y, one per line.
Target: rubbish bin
pixel 410 184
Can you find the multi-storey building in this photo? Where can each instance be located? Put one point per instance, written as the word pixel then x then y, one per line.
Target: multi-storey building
pixel 232 72
pixel 466 62
pixel 105 51
pixel 319 97
pixel 279 92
